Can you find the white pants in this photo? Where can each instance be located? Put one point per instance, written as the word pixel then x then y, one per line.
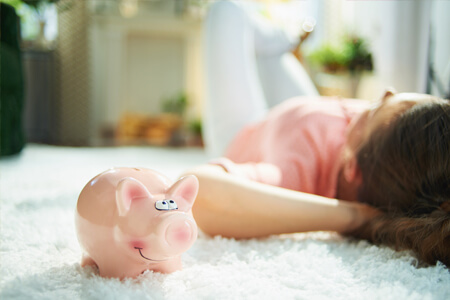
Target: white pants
pixel 249 69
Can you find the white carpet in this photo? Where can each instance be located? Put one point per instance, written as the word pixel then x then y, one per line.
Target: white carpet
pixel 40 253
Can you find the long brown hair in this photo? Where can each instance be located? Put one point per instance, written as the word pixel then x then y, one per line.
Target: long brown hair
pixel 406 173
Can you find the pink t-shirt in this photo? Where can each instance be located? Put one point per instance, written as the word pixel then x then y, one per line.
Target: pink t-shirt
pixel 297 146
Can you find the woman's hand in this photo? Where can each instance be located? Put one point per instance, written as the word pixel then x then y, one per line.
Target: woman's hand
pixel 362 214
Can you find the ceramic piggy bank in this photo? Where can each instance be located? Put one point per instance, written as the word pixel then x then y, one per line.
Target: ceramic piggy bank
pixel 131 220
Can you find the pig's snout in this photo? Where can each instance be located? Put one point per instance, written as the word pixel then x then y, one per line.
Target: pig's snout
pixel 180 233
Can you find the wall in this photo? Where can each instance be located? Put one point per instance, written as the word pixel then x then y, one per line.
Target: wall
pixel 400 33
pixel 440 46
pixel 73 105
pixel 140 61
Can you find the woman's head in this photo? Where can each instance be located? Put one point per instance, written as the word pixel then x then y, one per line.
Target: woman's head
pixel 381 115
pixel 404 156
pixel 372 126
pixel 403 159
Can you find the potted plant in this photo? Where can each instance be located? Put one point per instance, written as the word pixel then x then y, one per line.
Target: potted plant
pixel 350 58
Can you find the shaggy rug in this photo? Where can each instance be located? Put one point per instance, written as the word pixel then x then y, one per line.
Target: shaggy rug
pixel 40 254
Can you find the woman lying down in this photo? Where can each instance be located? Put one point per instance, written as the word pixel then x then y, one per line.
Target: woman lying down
pixel 389 166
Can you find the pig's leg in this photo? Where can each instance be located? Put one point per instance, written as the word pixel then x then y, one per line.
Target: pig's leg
pixel 86 260
pixel 169 266
pixel 119 271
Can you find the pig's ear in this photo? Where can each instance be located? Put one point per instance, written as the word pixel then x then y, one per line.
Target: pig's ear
pixel 129 189
pixel 186 188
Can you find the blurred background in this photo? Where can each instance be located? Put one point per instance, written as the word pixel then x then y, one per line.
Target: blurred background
pixel 132 72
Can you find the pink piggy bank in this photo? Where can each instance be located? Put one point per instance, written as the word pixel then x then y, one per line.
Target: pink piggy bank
pixel 131 220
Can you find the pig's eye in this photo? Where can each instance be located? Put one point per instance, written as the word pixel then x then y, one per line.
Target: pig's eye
pixel 172 204
pixel 166 205
pixel 162 205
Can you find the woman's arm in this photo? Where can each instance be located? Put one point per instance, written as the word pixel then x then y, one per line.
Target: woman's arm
pixel 234 207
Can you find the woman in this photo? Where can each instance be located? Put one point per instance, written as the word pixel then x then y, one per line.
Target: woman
pixel 388 165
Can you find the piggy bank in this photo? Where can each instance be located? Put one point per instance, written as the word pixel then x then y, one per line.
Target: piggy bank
pixel 129 220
